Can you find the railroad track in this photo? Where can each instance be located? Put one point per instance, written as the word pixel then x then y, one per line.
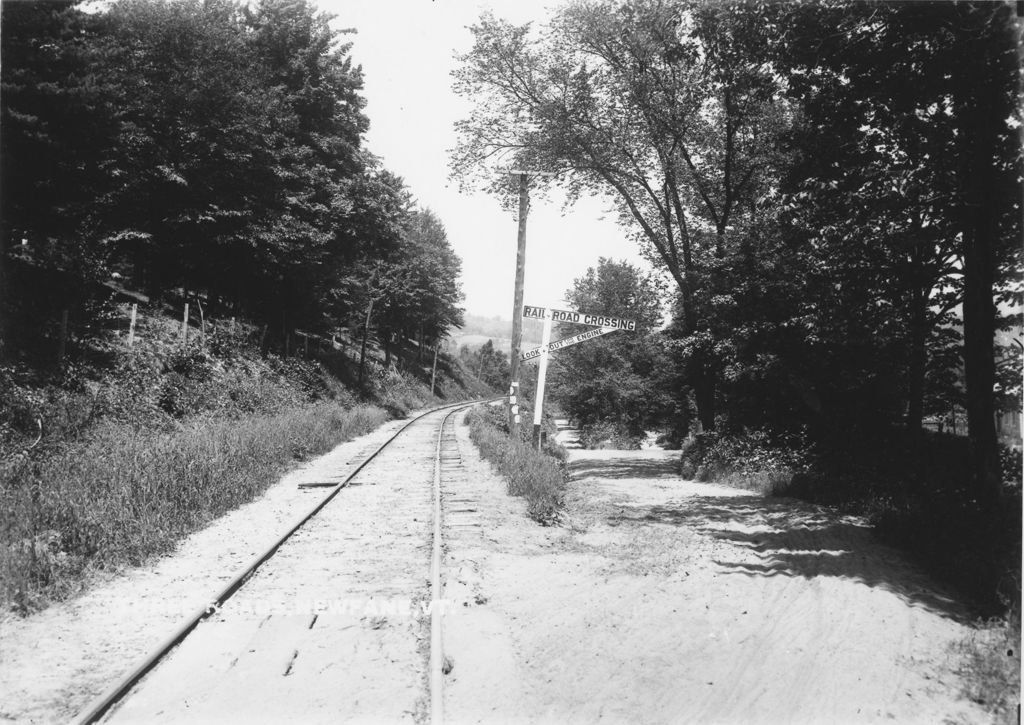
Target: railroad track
pixel 336 620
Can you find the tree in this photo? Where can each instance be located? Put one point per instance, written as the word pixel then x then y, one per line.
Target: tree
pixel 487 363
pixel 58 122
pixel 918 208
pixel 425 305
pixel 195 152
pixel 326 195
pixel 652 103
pixel 616 379
pixel 214 148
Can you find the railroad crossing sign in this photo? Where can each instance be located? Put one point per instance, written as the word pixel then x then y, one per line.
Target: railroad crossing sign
pixel 566 341
pixel 582 318
pixel 603 323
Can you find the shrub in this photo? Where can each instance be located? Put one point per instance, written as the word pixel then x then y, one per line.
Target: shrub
pixel 608 434
pixel 398 392
pixel 538 477
pixel 752 459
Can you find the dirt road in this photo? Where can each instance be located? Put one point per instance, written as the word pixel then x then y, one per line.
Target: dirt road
pixel 657 601
pixel 666 601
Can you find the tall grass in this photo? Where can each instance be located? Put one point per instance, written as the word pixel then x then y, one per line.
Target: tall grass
pixel 536 476
pixel 124 495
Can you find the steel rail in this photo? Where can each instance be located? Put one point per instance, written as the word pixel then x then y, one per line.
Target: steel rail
pixel 99 707
pixel 436 613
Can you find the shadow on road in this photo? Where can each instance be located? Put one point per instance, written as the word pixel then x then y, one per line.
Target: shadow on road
pixel 626 467
pixel 782 536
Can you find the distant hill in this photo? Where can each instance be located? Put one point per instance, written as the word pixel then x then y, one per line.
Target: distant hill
pixel 478 329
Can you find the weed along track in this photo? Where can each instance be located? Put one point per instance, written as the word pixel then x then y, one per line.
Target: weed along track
pixel 338 620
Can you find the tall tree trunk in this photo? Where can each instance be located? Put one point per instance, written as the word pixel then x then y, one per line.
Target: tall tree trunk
pixel 4 309
pixel 702 379
pixel 979 357
pixel 983 105
pixel 918 360
pixel 366 334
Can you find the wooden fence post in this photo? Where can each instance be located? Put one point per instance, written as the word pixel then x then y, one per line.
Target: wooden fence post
pixel 184 327
pixel 131 325
pixel 433 371
pixel 202 323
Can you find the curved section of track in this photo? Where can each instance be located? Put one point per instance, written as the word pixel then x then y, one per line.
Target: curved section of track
pixel 273 611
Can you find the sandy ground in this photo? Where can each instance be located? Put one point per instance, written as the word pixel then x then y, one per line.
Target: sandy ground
pixel 657 601
pixel 54 663
pixel 666 601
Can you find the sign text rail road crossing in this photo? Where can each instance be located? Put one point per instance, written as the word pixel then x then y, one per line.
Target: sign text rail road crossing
pixel 582 318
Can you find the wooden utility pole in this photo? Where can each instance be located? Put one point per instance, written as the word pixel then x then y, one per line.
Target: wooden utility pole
pixel 517 307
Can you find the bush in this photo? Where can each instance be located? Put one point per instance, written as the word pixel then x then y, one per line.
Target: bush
pixel 752 459
pixel 399 393
pixel 537 476
pixel 1011 463
pixel 608 435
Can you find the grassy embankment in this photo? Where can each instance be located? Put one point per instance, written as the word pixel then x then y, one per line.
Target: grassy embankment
pixel 917 496
pixel 142 447
pixel 537 476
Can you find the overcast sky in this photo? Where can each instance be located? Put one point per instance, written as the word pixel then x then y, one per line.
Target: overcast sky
pixel 406 49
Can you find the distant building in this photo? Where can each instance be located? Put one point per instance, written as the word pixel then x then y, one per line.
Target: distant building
pixel 1009 349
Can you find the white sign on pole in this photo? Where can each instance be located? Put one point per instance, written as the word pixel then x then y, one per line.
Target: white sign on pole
pixel 604 324
pixel 582 318
pixel 566 341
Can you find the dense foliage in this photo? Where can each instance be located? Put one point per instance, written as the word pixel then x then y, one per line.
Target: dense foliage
pixel 614 389
pixel 487 363
pixel 833 191
pixel 210 150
